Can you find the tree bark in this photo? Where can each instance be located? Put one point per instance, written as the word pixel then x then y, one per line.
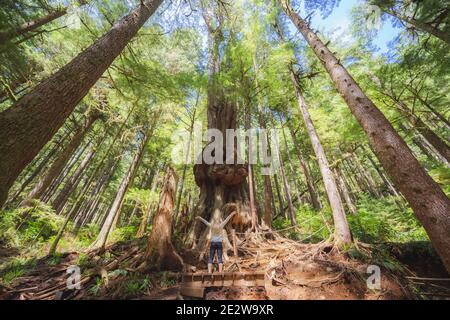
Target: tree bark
pixel 161 253
pixel 306 172
pixel 44 162
pixel 223 186
pixel 342 230
pixel 422 26
pixel 417 124
pixel 287 190
pixel 64 194
pixel 345 191
pixel 127 180
pixel 30 123
pixel 34 24
pixel 62 160
pixel 430 204
pixel 146 215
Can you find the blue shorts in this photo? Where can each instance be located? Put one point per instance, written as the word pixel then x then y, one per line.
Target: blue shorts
pixel 215 246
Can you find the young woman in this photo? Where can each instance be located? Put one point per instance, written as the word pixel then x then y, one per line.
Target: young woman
pixel 216 230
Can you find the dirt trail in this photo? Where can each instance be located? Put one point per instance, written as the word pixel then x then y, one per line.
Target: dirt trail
pixel 294 271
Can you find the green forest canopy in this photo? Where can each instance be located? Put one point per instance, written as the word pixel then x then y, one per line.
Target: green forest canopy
pixel 89 105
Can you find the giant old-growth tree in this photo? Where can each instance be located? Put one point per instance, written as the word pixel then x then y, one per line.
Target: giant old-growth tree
pixel 426 198
pixel 32 121
pixel 223 187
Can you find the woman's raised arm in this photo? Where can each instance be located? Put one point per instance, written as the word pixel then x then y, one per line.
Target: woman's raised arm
pixel 223 224
pixel 203 220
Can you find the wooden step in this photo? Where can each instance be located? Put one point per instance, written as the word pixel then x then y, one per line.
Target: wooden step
pixel 194 284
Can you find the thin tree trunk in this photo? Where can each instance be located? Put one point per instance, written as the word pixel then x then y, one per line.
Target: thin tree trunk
pixel 291 168
pixel 31 122
pixel 250 151
pixel 287 190
pixel 433 139
pixel 422 26
pixel 34 24
pixel 306 172
pixel 344 191
pixel 186 159
pixel 342 230
pixel 118 201
pixel 61 161
pixel 50 191
pixel 36 172
pixel 146 215
pixel 64 194
pixel 430 204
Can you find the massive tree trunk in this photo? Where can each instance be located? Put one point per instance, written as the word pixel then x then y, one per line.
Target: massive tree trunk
pixel 62 159
pixel 34 24
pixel 127 180
pixel 32 121
pixel 223 187
pixel 430 204
pixel 161 253
pixel 342 230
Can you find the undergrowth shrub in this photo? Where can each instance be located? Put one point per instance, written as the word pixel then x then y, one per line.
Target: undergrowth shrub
pixel 381 220
pixel 27 226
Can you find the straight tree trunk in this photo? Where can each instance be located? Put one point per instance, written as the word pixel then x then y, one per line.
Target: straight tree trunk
pixel 306 172
pixel 287 189
pixel 430 204
pixel 31 122
pixel 62 160
pixel 422 26
pixel 53 187
pixel 269 200
pixel 118 201
pixel 44 162
pixel 291 168
pixel 73 212
pixel 417 124
pixel 342 230
pixel 34 24
pixel 345 191
pixel 250 150
pixel 64 194
pixel 186 159
pixel 146 215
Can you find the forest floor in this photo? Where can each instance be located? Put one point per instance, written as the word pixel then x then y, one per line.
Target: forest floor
pixel 295 271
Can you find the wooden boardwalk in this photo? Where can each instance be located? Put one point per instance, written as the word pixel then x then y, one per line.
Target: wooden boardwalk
pixel 194 284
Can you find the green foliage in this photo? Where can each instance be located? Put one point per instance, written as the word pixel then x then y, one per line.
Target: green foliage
pixel 167 279
pixel 311 225
pixel 381 220
pixel 29 226
pixel 124 233
pixel 87 234
pixel 442 176
pixel 137 285
pixel 15 269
